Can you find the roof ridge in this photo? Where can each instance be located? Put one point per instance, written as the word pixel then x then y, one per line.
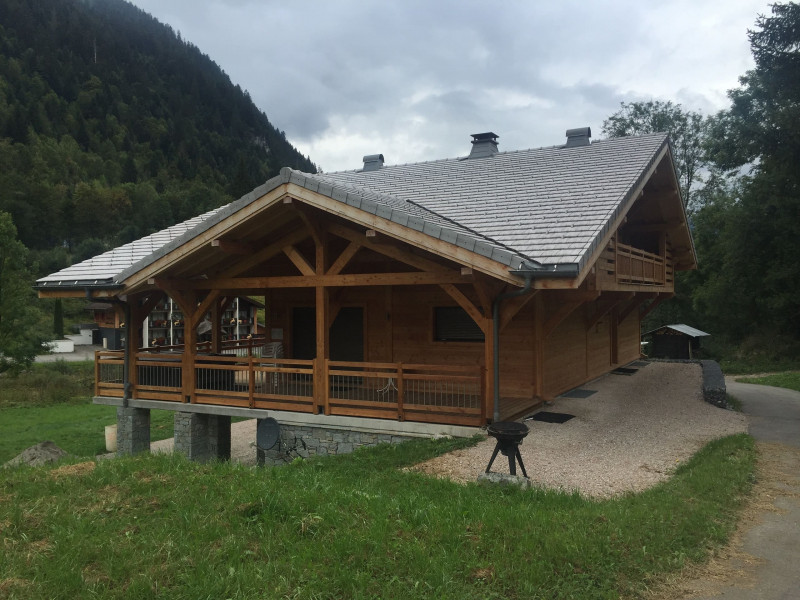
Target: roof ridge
pixel 500 153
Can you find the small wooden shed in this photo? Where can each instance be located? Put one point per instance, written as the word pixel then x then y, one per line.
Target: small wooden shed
pixel 674 341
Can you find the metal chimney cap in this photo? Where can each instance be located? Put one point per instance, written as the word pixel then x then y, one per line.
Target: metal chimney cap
pixel 373 162
pixel 483 145
pixel 578 137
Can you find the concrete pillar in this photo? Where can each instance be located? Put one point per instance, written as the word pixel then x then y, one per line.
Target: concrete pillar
pixel 133 430
pixel 203 437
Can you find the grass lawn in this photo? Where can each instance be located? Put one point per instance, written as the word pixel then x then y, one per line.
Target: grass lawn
pixel 77 428
pixel 354 526
pixel 52 402
pixel 789 380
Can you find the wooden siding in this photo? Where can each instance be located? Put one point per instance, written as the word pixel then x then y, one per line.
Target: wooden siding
pixel 629 338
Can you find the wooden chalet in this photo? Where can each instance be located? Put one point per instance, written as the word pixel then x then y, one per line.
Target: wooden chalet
pixel 457 291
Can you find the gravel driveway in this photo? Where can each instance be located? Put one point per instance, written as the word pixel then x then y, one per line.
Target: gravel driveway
pixel 628 436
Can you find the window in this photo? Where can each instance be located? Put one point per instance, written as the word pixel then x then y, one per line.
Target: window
pixel 453 324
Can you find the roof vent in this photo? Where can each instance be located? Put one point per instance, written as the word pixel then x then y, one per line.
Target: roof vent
pixel 373 162
pixel 578 137
pixel 483 145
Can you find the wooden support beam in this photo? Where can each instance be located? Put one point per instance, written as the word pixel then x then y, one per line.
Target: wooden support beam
pixel 310 218
pixel 322 324
pixel 465 303
pixel 190 345
pixel 206 305
pixel 566 309
pixel 299 281
pixel 298 260
pixel 344 258
pixel 605 306
pixel 512 306
pixel 233 247
pixel 538 346
pixel 637 301
pixel 150 303
pixel 264 254
pixel 483 291
pixel 335 297
pixel 389 250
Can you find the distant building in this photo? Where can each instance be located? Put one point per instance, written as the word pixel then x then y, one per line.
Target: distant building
pixel 674 341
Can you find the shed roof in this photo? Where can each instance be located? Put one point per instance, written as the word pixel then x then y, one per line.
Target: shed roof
pixel 684 329
pixel 545 208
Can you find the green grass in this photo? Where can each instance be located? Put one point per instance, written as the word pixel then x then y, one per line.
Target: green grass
pixel 353 526
pixel 52 402
pixel 789 380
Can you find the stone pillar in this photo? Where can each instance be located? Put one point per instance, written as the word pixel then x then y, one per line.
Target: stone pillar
pixel 133 430
pixel 219 437
pixel 203 437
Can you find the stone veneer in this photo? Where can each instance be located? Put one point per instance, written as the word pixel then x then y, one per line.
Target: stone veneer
pixel 203 437
pixel 305 441
pixel 133 430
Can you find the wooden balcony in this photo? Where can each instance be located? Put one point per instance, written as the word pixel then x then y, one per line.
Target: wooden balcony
pixel 424 393
pixel 624 267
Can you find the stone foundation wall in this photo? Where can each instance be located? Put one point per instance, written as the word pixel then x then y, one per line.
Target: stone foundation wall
pixel 305 441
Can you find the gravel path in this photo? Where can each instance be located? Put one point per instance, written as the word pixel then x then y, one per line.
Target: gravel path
pixel 626 437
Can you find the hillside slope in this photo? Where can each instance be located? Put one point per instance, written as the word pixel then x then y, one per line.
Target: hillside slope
pixel 112 127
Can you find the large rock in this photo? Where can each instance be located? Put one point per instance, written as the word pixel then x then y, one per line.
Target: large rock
pixel 40 454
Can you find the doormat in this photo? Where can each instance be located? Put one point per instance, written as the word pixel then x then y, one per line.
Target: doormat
pixel 639 363
pixel 624 371
pixel 550 417
pixel 578 393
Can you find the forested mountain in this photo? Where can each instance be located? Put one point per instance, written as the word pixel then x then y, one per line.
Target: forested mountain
pixel 112 127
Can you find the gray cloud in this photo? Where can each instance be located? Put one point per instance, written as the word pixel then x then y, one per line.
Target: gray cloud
pixel 414 78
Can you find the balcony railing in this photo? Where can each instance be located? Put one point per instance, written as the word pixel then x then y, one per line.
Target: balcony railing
pixel 639 266
pixel 426 393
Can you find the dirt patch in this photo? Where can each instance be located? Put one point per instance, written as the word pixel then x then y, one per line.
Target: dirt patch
pixel 731 565
pixel 40 454
pixel 75 470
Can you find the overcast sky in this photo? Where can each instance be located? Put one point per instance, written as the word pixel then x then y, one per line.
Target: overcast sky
pixel 412 79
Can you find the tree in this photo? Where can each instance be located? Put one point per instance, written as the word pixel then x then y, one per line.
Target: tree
pixel 21 336
pixel 687 130
pixel 760 133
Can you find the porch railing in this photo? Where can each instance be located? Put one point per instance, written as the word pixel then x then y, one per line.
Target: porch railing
pixel 413 392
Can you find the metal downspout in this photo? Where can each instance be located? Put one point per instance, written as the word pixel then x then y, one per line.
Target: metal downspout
pixel 528 275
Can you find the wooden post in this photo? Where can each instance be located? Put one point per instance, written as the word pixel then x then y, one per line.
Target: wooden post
pixel 134 340
pixel 322 330
pixel 189 348
pixel 538 347
pixel 326 389
pixel 400 393
pixel 251 382
pixel 216 327
pixel 488 358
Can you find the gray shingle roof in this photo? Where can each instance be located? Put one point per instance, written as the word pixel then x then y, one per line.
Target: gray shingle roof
pixel 104 268
pixel 550 205
pixel 546 206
